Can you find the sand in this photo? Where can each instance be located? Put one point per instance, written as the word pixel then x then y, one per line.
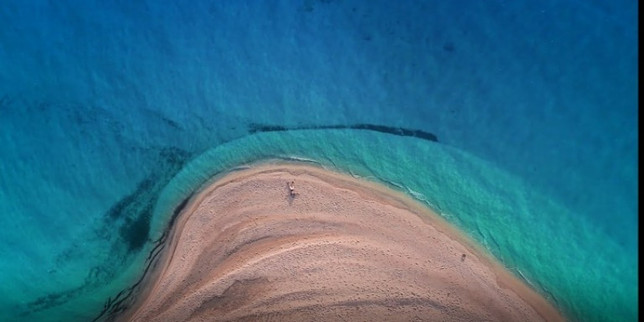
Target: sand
pixel 336 249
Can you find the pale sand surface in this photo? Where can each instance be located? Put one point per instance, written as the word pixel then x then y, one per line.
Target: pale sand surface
pixel 341 249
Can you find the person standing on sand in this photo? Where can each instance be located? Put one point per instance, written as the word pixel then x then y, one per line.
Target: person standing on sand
pixel 291 188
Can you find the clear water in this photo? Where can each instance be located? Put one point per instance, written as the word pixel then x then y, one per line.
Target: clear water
pixel 112 113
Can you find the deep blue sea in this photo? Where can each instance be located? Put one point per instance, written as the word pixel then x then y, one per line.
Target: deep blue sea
pixel 514 120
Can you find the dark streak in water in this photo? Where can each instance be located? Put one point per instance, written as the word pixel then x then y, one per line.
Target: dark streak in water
pixel 256 127
pixel 178 210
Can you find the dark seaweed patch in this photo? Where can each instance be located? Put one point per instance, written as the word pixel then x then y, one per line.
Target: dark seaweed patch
pixel 122 301
pixel 131 202
pixel 400 131
pixel 135 232
pixel 130 217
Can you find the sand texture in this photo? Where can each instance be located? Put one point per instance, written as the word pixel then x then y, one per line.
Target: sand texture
pixel 337 249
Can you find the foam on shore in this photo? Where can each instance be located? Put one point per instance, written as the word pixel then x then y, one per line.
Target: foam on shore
pixel 338 248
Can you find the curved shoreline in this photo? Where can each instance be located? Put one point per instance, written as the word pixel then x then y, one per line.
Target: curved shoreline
pixel 217 255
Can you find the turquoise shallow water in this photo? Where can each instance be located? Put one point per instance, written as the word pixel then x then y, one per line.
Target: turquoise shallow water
pixel 112 114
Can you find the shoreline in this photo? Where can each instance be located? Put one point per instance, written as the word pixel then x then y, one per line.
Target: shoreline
pixel 500 279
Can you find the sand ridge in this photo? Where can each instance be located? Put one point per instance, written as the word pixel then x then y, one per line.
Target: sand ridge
pixel 336 248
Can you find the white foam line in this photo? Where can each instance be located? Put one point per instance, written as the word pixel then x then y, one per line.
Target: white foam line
pixel 525 278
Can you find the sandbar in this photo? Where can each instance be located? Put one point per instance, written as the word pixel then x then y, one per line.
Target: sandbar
pixel 293 242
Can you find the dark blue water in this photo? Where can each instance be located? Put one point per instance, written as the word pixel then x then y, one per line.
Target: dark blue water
pixel 112 112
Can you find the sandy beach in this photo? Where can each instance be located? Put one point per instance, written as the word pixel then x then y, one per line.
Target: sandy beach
pixel 289 242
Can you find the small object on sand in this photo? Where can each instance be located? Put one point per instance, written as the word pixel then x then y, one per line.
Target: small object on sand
pixel 463 258
pixel 291 188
